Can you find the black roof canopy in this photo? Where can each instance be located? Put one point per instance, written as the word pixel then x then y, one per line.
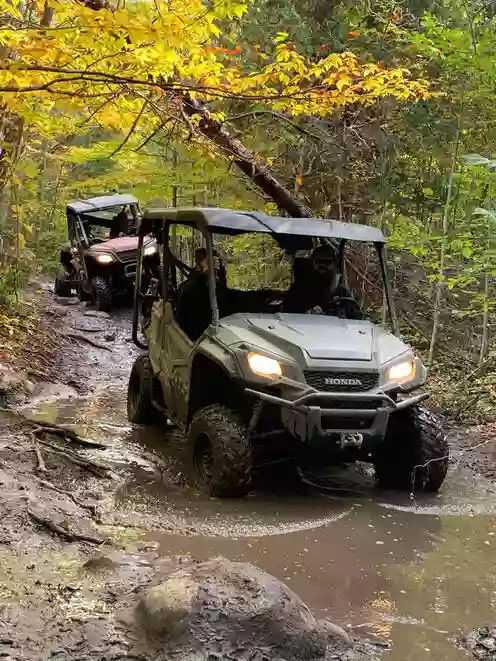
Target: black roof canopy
pixel 232 222
pixel 100 203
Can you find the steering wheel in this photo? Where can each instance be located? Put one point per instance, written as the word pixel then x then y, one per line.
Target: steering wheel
pixel 273 303
pixel 336 305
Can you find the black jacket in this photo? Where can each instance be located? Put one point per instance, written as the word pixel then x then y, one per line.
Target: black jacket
pixel 194 313
pixel 314 291
pixel 193 305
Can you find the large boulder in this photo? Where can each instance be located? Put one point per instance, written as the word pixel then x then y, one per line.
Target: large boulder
pixel 228 607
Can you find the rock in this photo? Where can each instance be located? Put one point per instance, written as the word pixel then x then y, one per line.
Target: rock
pixel 237 606
pixel 89 325
pixel 334 630
pixel 97 313
pixel 29 386
pixel 481 643
pixel 100 562
pixel 66 301
pixel 44 390
pixel 61 310
pixel 168 604
pixel 12 382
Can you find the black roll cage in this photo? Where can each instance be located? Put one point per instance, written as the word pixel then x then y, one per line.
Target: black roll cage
pixel 159 226
pixel 77 222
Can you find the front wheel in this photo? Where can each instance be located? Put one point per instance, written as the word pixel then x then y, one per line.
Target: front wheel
pixel 102 294
pixel 219 453
pixel 415 452
pixel 63 287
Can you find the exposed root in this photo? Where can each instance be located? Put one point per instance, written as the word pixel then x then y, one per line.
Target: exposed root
pixel 90 507
pixel 91 466
pixel 64 432
pixel 79 337
pixel 54 527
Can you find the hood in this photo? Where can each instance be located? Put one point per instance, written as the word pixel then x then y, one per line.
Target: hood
pixel 341 339
pixel 314 337
pixel 121 244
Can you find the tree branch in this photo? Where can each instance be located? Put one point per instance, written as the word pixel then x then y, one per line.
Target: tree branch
pixel 131 130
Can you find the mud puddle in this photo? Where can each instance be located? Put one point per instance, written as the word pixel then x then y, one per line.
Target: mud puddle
pixel 414 574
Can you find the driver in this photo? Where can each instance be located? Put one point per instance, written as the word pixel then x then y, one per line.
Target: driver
pixel 320 290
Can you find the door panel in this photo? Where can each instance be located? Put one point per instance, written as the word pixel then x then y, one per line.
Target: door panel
pixel 176 365
pixel 154 335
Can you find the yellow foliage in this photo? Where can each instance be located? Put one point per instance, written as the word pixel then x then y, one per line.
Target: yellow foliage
pixel 123 66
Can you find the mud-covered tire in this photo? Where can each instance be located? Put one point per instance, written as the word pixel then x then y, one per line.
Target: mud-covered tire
pixel 217 436
pixel 415 441
pixel 62 285
pixel 140 409
pixel 102 295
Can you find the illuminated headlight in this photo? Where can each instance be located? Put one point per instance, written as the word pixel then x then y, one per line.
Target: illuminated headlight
pixel 150 250
pixel 263 365
pixel 401 372
pixel 104 258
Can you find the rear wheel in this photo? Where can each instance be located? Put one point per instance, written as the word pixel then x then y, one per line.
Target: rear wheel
pixel 415 452
pixel 102 294
pixel 219 453
pixel 140 408
pixel 62 286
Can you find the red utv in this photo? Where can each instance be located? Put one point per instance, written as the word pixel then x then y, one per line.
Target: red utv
pixel 101 259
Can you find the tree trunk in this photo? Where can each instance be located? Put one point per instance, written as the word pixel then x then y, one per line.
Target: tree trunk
pixel 244 159
pixel 442 258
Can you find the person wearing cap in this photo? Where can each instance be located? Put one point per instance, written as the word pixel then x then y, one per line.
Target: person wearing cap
pixel 320 291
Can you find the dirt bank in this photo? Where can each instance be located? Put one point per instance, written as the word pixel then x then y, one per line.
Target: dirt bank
pixel 81 522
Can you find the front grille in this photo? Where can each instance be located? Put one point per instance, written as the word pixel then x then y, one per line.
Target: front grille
pixel 317 380
pixel 128 256
pixel 373 404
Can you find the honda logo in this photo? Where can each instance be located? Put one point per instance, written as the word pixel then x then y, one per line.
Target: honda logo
pixel 330 381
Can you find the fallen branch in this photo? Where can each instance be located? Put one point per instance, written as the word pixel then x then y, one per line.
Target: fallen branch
pixel 92 508
pixel 64 432
pixel 41 468
pixel 90 466
pixel 54 527
pixel 79 337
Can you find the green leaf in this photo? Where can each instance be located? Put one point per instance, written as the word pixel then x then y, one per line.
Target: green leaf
pixel 467 252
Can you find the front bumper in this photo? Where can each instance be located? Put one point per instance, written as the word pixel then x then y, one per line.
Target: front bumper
pixel 313 415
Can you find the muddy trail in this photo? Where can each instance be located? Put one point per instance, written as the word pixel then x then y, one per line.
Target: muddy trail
pixel 86 520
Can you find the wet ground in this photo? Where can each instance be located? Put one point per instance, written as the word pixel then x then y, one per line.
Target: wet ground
pixel 411 573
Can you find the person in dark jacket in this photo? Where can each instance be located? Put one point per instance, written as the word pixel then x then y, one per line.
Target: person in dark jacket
pixel 120 225
pixel 319 291
pixel 193 306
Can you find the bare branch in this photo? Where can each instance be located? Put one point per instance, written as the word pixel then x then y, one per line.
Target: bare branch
pixel 131 130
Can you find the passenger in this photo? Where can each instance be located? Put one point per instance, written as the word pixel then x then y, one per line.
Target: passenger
pixel 193 306
pixel 120 225
pixel 319 291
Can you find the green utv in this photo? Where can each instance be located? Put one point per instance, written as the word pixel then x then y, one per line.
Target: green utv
pixel 255 373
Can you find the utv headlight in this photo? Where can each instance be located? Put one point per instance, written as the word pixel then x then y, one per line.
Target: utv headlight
pixel 104 258
pixel 263 365
pixel 150 250
pixel 401 372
